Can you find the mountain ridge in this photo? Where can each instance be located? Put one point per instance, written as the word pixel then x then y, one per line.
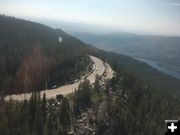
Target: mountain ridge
pixel 61 59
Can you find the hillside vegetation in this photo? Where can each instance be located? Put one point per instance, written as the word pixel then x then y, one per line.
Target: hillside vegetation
pixel 124 106
pixel 136 101
pixel 33 58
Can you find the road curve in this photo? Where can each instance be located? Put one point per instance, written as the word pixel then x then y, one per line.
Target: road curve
pixel 67 89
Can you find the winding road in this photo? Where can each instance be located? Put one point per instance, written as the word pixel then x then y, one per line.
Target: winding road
pixel 67 89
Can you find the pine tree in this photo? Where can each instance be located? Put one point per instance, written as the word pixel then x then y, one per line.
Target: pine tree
pixel 43 108
pixel 64 117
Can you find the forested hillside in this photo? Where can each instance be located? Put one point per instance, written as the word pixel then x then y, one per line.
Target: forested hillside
pixel 146 73
pixel 136 101
pixel 35 57
pixel 134 108
pixel 123 106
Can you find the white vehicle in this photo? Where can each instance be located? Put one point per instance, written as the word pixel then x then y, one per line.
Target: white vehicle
pixel 53 87
pixel 77 80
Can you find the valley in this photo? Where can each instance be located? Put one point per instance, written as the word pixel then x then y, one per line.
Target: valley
pixel 163 50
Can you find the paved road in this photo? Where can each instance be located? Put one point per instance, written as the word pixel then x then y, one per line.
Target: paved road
pixel 67 89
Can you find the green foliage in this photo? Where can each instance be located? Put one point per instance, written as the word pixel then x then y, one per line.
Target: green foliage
pixel 32 118
pixel 82 97
pixel 130 107
pixel 98 94
pixel 32 58
pixel 64 117
pixel 137 109
pixel 87 95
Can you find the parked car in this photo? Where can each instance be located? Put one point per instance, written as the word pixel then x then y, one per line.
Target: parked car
pixel 54 86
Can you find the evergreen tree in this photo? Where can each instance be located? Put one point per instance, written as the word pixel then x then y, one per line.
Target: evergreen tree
pixel 64 117
pixel 43 108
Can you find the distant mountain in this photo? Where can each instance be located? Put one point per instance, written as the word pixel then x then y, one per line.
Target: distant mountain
pixel 165 49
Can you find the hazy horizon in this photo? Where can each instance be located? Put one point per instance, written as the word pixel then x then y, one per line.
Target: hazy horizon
pixel 142 16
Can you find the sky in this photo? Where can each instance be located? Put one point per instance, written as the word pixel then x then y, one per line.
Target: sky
pixel 153 16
